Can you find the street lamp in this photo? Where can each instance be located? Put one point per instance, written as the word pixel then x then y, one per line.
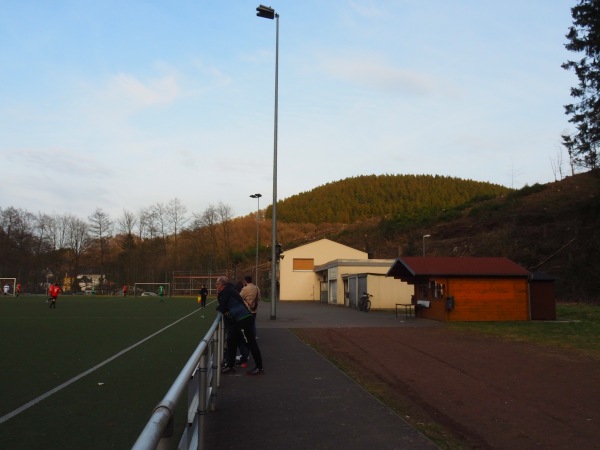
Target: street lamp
pixel 257 197
pixel 269 13
pixel 425 236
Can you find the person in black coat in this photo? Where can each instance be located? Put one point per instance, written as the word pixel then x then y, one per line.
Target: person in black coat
pixel 231 305
pixel 203 294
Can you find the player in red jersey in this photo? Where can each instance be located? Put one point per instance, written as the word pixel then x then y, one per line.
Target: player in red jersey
pixel 53 291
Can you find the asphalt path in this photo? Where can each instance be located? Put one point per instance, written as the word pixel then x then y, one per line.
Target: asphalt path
pixel 303 401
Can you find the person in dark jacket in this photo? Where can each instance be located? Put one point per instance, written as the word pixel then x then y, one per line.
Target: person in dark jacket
pixel 231 305
pixel 203 294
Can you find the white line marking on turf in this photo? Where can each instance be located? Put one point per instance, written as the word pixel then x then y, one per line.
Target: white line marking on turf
pixel 29 404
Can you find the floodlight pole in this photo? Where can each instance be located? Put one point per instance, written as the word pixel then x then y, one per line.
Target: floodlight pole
pixel 257 197
pixel 269 13
pixel 424 237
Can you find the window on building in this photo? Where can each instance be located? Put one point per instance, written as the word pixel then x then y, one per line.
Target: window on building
pixel 433 288
pixel 422 291
pixel 303 264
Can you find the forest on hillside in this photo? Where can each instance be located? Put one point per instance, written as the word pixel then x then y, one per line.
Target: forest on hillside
pixel 551 227
pixel 149 245
pixel 365 197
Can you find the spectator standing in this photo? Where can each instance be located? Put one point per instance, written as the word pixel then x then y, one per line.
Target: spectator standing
pixel 251 295
pixel 232 306
pixel 243 341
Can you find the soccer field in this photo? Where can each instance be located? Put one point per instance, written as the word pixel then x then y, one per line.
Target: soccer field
pixel 112 360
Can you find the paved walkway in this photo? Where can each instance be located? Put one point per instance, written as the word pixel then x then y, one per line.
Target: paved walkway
pixel 303 401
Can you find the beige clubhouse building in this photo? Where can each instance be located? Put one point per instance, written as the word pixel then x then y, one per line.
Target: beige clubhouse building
pixel 334 273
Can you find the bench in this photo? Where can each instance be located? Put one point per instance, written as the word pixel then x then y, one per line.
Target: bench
pixel 409 309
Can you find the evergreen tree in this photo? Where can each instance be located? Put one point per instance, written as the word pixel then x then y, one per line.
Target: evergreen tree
pixel 584 37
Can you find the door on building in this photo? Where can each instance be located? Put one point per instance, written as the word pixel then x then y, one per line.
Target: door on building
pixel 362 285
pixel 333 292
pixel 324 294
pixel 353 291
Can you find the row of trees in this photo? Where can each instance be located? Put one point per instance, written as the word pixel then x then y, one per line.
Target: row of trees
pixel 150 244
pixel 143 246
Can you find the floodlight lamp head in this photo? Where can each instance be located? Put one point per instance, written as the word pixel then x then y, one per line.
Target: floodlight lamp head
pixel 265 11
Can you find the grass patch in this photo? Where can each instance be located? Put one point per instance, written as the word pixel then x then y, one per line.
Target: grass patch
pixel 577 328
pixel 109 407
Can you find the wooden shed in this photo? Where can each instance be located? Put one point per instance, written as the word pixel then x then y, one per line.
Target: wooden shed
pixel 465 288
pixel 541 296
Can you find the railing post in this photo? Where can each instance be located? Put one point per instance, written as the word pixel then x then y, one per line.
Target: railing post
pixel 220 350
pixel 216 347
pixel 203 398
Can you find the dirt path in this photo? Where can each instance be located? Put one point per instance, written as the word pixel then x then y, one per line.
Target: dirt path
pixel 472 390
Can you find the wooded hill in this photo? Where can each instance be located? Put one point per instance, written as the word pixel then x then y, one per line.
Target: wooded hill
pixel 552 228
pixel 366 197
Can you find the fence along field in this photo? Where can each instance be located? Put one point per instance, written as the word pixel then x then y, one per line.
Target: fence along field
pixel 44 348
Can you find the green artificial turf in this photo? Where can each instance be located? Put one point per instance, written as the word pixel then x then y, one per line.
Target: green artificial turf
pixel 43 348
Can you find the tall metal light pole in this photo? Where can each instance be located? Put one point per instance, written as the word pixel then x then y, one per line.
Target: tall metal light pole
pixel 257 197
pixel 424 237
pixel 269 13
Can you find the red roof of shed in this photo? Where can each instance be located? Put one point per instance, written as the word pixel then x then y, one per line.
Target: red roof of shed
pixel 415 266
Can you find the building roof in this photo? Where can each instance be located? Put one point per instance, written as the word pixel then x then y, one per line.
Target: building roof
pixel 319 244
pixel 354 262
pixel 410 267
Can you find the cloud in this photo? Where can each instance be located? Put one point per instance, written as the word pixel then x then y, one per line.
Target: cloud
pixel 158 91
pixel 63 161
pixel 373 73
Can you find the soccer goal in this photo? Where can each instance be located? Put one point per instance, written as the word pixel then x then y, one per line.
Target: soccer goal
pixel 12 286
pixel 145 289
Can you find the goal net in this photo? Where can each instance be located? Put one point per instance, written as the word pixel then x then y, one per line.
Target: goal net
pixel 190 283
pixel 151 289
pixel 12 285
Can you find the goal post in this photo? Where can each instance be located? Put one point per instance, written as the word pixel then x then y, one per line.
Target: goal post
pixel 140 288
pixel 12 286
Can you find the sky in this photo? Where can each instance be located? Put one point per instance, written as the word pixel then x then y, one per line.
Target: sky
pixel 123 105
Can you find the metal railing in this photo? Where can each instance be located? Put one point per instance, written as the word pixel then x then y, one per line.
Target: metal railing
pixel 199 378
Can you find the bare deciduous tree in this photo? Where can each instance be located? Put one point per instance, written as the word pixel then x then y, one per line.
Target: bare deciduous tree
pixel 147 228
pixel 78 241
pixel 209 220
pixel 43 224
pixel 176 216
pixel 557 165
pixel 225 215
pixel 100 229
pixel 127 222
